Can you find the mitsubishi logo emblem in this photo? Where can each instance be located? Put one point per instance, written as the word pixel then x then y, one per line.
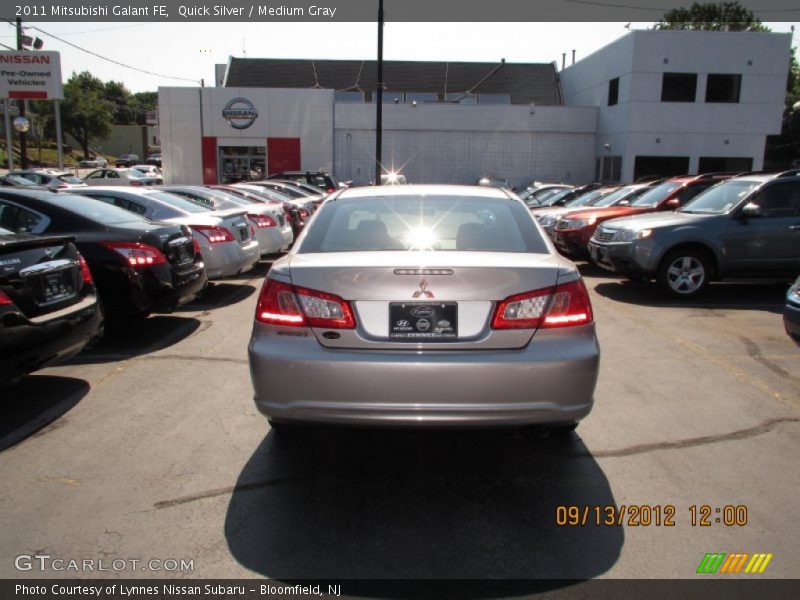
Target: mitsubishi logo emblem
pixel 423 292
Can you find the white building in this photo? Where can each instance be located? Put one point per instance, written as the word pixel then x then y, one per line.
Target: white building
pixel 651 103
pixel 678 102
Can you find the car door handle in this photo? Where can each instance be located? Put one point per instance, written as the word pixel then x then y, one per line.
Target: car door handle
pixel 794 227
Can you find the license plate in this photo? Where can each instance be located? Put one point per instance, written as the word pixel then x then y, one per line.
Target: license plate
pixel 242 231
pixel 56 286
pixel 423 320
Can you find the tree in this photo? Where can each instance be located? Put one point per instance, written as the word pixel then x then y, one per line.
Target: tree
pixel 119 99
pixel 85 112
pixel 722 16
pixel 143 102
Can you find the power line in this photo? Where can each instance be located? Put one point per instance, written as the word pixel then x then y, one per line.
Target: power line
pixel 111 60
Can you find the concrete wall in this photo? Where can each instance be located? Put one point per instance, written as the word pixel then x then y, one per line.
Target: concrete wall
pixel 123 139
pixel 641 125
pixel 445 143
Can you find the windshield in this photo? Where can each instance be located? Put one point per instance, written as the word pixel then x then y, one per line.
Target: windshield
pixel 655 195
pixel 134 174
pixel 182 204
pixel 69 179
pixel 556 197
pixel 616 196
pixel 720 198
pixel 423 223
pixel 587 199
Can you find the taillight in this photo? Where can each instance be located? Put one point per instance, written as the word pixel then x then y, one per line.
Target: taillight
pixel 4 299
pixel 283 304
pixel 303 213
pixel 195 245
pixel 136 183
pixel 214 233
pixel 262 221
pixel 138 254
pixel 86 274
pixel 562 306
pixel 330 190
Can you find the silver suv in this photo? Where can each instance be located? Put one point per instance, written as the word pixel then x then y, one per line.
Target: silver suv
pixel 748 226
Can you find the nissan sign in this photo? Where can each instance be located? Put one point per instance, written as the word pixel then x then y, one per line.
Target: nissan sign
pixel 30 75
pixel 240 113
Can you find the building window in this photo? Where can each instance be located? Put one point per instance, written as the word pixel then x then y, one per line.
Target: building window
pixel 494 99
pixel 660 166
pixel 348 96
pixel 723 87
pixel 421 97
pixel 611 168
pixel 613 91
pixel 462 98
pixel 714 164
pixel 678 87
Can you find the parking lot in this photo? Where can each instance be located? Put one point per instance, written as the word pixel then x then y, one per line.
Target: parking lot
pixel 148 446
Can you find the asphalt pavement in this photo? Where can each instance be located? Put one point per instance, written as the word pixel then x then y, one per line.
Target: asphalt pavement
pixel 148 447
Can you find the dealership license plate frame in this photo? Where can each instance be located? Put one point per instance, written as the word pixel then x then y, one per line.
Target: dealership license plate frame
pixel 407 321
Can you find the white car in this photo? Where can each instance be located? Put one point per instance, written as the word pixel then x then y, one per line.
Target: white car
pixel 97 162
pixel 49 178
pixel 113 176
pixel 225 239
pixel 272 229
pixel 150 171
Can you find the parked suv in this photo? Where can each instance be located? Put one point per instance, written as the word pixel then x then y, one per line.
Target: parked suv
pixel 321 179
pixel 748 226
pixel 127 160
pixel 572 233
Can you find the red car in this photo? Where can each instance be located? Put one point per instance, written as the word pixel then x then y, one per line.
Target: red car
pixel 572 233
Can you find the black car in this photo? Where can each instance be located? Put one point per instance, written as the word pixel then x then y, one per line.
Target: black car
pixel 319 179
pixel 791 312
pixel 48 304
pixel 139 266
pixel 127 160
pixel 153 159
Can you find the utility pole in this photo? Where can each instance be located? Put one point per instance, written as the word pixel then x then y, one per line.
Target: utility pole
pixel 23 142
pixel 379 90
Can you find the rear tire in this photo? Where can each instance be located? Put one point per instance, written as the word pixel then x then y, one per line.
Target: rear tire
pixel 684 273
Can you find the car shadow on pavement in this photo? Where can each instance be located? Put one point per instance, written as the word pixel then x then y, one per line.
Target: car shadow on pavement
pixel 589 269
pixel 218 295
pixel 372 504
pixel 136 337
pixel 259 270
pixel 34 403
pixel 739 295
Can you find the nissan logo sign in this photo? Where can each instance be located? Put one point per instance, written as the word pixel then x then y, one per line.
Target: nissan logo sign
pixel 240 113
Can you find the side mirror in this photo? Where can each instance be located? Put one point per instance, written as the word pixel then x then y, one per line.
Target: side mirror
pixel 751 210
pixel 673 204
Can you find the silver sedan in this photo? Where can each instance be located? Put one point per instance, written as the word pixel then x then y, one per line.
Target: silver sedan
pixel 424 306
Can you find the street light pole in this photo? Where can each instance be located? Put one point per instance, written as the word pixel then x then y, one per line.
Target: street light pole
pixel 379 91
pixel 23 142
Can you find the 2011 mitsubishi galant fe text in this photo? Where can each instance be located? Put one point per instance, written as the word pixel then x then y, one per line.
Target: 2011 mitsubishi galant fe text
pixel 424 305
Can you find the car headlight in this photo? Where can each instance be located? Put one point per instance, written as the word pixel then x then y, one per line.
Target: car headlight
pixel 627 235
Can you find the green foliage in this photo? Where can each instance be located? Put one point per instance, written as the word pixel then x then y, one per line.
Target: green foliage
pixel 85 111
pixel 721 16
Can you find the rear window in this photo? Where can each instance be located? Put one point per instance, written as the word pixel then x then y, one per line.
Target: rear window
pixel 383 223
pixel 71 179
pixel 99 212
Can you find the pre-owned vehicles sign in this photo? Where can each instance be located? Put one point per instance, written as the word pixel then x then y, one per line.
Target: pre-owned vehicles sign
pixel 31 75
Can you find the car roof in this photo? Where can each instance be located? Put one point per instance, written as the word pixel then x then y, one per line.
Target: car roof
pixel 111 188
pixel 423 189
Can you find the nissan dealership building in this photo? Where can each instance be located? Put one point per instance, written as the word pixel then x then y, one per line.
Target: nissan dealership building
pixel 651 103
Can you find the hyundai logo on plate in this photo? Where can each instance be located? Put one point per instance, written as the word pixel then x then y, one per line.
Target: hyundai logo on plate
pixel 240 113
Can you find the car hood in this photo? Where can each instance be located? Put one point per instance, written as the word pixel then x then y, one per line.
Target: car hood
pixel 654 220
pixel 607 212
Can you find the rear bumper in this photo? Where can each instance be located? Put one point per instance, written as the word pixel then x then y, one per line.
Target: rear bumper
pixel 272 240
pixel 28 345
pixel 231 258
pixel 571 242
pixel 551 380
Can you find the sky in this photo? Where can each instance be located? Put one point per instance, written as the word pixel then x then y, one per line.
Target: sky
pixel 185 53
